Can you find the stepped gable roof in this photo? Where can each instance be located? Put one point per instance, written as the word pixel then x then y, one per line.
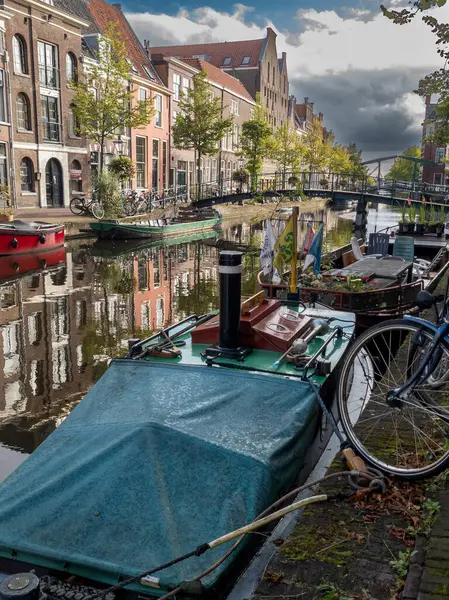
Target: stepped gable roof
pixel 217 53
pixel 220 77
pixel 102 14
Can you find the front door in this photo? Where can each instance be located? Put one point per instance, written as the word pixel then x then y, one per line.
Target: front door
pixel 53 183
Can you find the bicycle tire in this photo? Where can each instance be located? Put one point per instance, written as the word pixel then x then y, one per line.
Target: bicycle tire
pixel 129 208
pixel 421 420
pixel 97 210
pixel 78 205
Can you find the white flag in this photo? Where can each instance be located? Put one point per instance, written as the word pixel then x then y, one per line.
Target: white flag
pixel 266 252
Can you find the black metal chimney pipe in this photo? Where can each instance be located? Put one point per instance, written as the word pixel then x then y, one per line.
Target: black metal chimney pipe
pixel 230 269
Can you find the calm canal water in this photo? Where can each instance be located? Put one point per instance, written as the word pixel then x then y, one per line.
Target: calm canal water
pixel 59 328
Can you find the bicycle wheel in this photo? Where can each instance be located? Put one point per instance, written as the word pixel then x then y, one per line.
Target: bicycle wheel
pixel 129 208
pixel 409 440
pixel 77 206
pixel 440 375
pixel 97 210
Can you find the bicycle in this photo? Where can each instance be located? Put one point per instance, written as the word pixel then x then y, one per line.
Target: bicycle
pixel 79 205
pixel 393 393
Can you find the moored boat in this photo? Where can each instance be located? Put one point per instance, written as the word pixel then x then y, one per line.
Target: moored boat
pixel 19 265
pixel 20 237
pixel 197 431
pixel 186 222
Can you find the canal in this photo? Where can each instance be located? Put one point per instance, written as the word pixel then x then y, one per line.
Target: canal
pixel 59 328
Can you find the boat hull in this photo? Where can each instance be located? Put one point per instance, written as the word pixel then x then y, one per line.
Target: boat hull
pixel 125 231
pixel 13 267
pixel 22 238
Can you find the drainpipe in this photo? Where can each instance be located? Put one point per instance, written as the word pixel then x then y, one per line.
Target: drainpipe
pixel 220 174
pixel 12 169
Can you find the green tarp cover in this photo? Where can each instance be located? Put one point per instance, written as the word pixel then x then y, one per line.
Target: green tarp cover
pixel 154 461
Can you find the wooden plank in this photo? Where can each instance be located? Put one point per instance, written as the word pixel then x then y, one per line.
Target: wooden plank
pixel 253 302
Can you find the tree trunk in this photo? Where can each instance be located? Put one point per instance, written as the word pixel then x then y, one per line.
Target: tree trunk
pixel 199 194
pixel 101 162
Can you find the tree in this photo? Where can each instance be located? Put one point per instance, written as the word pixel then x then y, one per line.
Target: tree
pixel 316 150
pixel 357 170
pixel 200 125
pixel 255 140
pixel 286 149
pixel 103 103
pixel 405 170
pixel 339 160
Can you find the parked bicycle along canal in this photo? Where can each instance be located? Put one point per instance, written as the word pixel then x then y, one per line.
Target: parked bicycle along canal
pixel 59 328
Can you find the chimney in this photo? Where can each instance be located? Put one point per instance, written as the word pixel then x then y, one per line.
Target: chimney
pixel 146 46
pixel 117 6
pixel 306 101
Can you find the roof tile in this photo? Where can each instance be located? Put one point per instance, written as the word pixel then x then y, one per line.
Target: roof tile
pixel 220 77
pixel 218 52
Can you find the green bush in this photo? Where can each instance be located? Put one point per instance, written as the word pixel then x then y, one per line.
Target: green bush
pixel 123 167
pixel 109 194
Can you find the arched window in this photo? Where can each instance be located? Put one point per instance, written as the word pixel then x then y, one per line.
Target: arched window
pixel 70 67
pixel 73 123
pixel 23 112
pixel 19 54
pixel 27 175
pixel 76 181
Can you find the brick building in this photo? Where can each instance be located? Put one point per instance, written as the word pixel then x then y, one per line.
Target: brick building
pixel 235 100
pixel 433 174
pixel 254 62
pixel 46 160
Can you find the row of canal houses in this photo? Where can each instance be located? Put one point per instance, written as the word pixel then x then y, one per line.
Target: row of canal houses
pixel 45 44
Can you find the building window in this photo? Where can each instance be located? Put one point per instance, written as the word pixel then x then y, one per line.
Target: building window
pixel 234 107
pixel 74 125
pixel 235 137
pixel 23 112
pixel 246 60
pixel 174 115
pixel 141 161
pixel 227 61
pixel 19 54
pixel 50 118
pixel 437 178
pixel 2 96
pixel 48 65
pixel 26 175
pixel 158 110
pixel 439 155
pixel 3 165
pixel 155 171
pixel 176 86
pixel 76 177
pixel 185 86
pixel 182 172
pixel 70 67
pixel 268 73
pixel 164 164
pixel 142 95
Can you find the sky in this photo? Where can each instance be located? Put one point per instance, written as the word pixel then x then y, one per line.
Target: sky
pixel 358 68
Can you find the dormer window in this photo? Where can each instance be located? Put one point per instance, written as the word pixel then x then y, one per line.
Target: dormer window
pixel 205 57
pixel 246 60
pixel 227 61
pixel 148 72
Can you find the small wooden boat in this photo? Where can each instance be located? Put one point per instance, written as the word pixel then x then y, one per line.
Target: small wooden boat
pixel 20 237
pixel 187 221
pixel 192 435
pixel 19 265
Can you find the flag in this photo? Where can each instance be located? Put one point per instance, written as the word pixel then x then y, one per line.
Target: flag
pixel 308 239
pixel 284 247
pixel 267 250
pixel 314 255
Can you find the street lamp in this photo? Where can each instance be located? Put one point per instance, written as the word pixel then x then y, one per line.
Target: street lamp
pixel 118 143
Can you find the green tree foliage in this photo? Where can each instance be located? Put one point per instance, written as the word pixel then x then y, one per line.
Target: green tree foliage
pixel 340 160
pixel 403 170
pixel 122 167
pixel 200 125
pixel 357 170
pixel 256 140
pixel 109 194
pixel 103 103
pixel 316 150
pixel 286 150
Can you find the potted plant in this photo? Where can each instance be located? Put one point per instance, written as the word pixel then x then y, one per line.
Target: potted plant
pixel 6 212
pixel 293 180
pixel 403 224
pixel 441 219
pixel 240 176
pixel 421 225
pixel 411 219
pixel 122 167
pixel 324 183
pixel 432 220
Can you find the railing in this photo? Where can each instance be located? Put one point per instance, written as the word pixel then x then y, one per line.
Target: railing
pixel 51 131
pixel 49 77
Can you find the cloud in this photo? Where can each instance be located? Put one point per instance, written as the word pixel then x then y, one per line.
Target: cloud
pixel 357 66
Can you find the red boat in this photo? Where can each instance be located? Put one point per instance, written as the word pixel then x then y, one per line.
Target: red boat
pixel 19 237
pixel 13 267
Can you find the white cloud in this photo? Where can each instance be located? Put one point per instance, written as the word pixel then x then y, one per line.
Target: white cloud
pixel 321 44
